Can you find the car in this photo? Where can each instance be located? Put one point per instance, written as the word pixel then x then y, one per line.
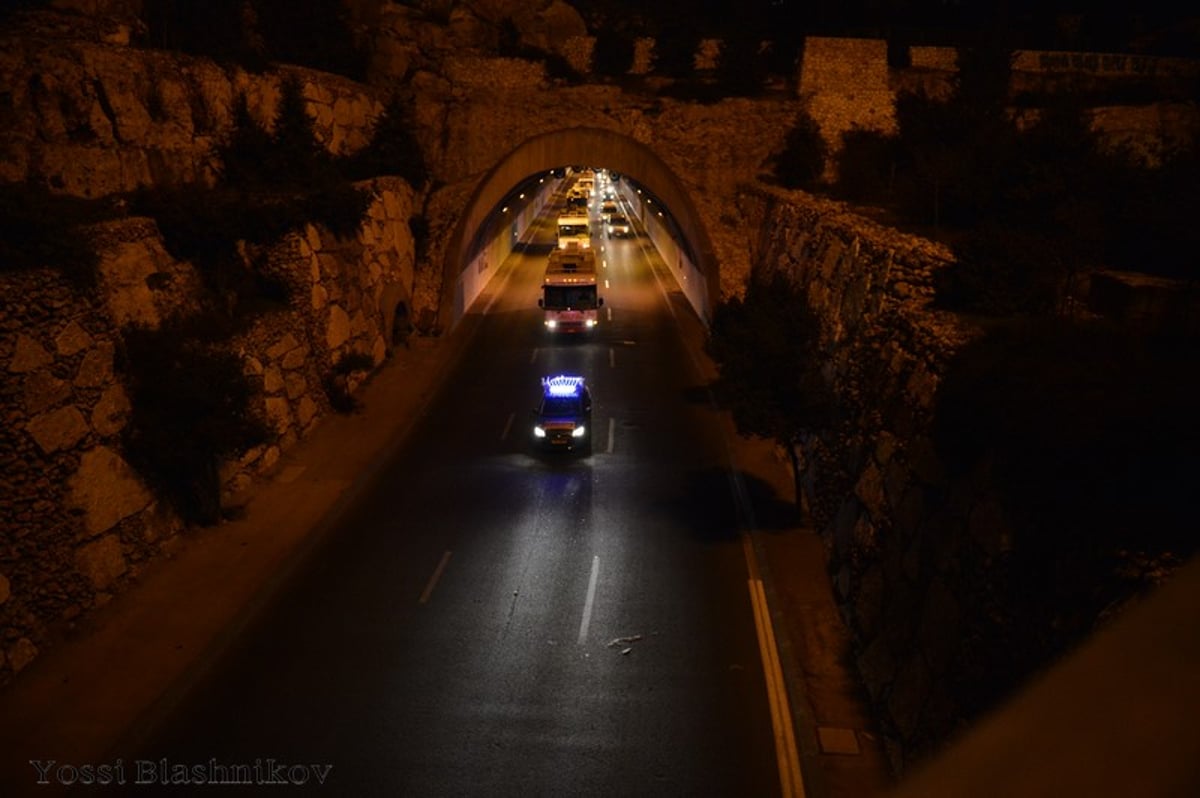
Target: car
pixel 618 226
pixel 608 208
pixel 563 418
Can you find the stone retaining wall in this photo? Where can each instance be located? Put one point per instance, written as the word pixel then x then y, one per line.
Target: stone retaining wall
pixel 908 546
pixel 98 118
pixel 78 523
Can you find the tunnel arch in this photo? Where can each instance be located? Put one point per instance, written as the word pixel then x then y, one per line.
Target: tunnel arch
pixel 563 147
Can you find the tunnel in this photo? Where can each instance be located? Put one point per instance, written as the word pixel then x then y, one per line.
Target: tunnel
pixel 593 147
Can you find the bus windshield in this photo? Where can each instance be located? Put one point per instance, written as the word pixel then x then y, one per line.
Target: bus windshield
pixel 569 297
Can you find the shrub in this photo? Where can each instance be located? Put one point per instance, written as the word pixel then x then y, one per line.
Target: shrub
pixel 216 29
pixel 42 230
pixel 1089 435
pixel 271 185
pixel 393 149
pixel 336 382
pixel 866 166
pixel 192 408
pixel 1001 271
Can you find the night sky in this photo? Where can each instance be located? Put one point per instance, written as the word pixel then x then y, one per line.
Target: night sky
pixel 1162 27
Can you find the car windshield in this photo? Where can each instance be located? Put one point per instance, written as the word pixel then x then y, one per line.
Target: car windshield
pixel 561 406
pixel 618 219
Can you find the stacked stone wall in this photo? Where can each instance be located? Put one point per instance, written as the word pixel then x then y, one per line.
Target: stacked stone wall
pixel 908 546
pixel 77 523
pixel 93 119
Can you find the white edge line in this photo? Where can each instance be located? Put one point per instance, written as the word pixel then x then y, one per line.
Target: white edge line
pixel 508 426
pixel 433 580
pixel 590 601
pixel 790 780
pixel 612 424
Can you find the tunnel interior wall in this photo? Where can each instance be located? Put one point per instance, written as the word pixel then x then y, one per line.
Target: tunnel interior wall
pixel 482 268
pixel 688 278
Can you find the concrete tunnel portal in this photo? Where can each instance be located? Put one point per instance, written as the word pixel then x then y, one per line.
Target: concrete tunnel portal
pixel 578 146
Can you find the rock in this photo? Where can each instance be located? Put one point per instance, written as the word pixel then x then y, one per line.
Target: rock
pixel 43 390
pixel 72 339
pixel 296 358
pixel 21 654
pixel 111 412
pixel 281 347
pixel 306 410
pixel 296 385
pixel 337 332
pixel 58 429
pixel 272 380
pixel 279 415
pixel 107 489
pixel 101 561
pixel 97 367
pixel 28 356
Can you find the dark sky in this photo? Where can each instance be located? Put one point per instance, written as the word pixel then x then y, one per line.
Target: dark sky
pixel 1065 24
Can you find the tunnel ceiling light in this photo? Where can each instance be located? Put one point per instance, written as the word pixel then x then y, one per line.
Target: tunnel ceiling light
pixel 504 209
pixel 522 195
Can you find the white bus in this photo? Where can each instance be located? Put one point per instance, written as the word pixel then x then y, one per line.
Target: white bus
pixel 574 228
pixel 569 292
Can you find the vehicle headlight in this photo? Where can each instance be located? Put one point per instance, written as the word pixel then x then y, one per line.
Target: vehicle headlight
pixel 551 324
pixel 538 432
pixel 579 431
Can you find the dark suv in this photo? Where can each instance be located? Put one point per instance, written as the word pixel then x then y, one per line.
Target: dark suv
pixel 563 419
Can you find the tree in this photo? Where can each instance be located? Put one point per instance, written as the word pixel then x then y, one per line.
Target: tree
pixel 393 149
pixel 613 53
pixel 742 65
pixel 675 50
pixel 319 37
pixel 766 350
pixel 801 164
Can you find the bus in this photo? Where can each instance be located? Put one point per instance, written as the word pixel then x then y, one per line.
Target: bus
pixel 569 292
pixel 574 228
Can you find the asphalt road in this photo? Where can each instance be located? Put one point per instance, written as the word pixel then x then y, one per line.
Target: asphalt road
pixel 493 621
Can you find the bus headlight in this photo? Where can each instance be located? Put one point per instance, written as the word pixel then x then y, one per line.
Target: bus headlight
pixel 551 324
pixel 579 431
pixel 591 322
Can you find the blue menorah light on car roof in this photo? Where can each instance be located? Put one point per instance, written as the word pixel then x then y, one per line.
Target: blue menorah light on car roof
pixel 562 385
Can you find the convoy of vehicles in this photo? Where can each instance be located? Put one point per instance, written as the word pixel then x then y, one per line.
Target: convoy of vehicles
pixel 569 292
pixel 563 418
pixel 571 305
